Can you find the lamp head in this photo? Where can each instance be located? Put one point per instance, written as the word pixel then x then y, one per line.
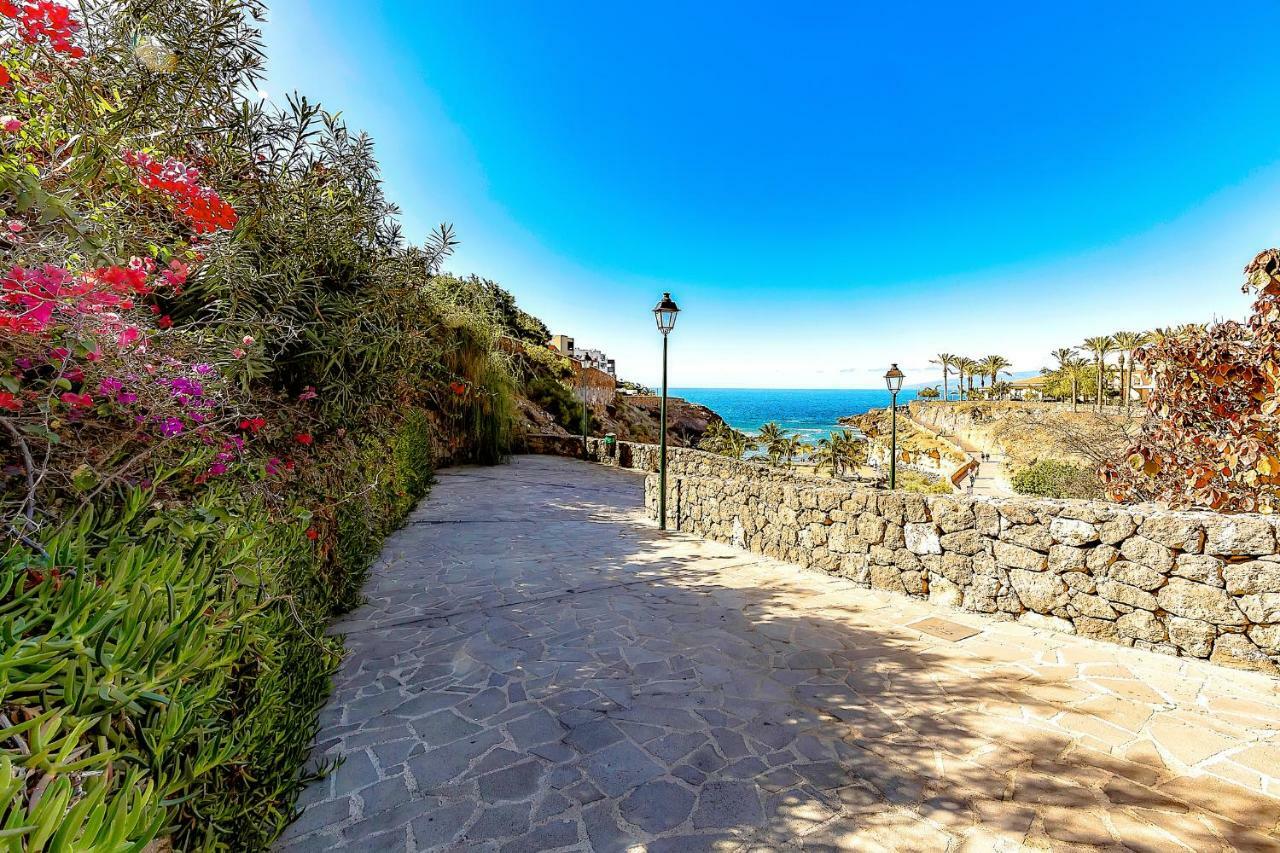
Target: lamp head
pixel 665 314
pixel 893 379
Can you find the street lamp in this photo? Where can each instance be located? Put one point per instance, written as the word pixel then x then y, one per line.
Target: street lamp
pixel 665 314
pixel 893 381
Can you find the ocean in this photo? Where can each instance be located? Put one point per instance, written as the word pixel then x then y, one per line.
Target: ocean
pixel 811 413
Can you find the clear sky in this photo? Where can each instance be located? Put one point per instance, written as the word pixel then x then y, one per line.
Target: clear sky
pixel 822 190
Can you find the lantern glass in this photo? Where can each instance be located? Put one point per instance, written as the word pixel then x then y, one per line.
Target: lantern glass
pixel 665 314
pixel 893 379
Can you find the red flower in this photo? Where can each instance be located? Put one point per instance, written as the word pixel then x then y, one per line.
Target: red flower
pixel 77 400
pixel 253 424
pixel 10 402
pixel 458 388
pixel 5 77
pixel 303 438
pixel 202 206
pixel 165 322
pixel 311 533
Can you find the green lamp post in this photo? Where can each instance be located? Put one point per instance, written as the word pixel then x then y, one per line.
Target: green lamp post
pixel 665 313
pixel 893 381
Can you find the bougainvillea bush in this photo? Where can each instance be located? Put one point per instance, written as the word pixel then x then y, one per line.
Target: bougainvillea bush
pixel 1210 436
pixel 224 379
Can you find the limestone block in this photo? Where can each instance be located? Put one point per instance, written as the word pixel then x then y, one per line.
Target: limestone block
pixel 1141 625
pixel 914 583
pixel 1237 651
pixel 871 528
pixel 1135 575
pixel 881 556
pixel 1252 577
pixel 915 509
pixel 1072 531
pixel 1194 637
pixel 906 561
pixel 1038 591
pixel 1016 511
pixel 887 578
pixel 1175 530
pixel 1116 592
pixel 963 542
pixel 1016 556
pixel 1065 558
pixel 1118 529
pixel 1099 629
pixel 1053 623
pixel 980 596
pixel 957 568
pixel 890 506
pixel 1238 534
pixel 1081 582
pixel 856 567
pixel 1261 608
pixel 922 538
pixel 1148 552
pixel 1092 605
pixel 943 591
pixel 952 515
pixel 984 564
pixel 986 518
pixel 1266 637
pixel 1199 567
pixel 1034 536
pixel 1101 556
pixel 1192 600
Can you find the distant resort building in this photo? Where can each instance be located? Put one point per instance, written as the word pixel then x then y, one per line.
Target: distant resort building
pixel 1031 388
pixel 592 358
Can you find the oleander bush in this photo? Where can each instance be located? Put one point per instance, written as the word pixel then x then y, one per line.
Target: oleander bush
pixel 224 379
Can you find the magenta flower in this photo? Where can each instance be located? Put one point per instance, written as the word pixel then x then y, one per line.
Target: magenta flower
pixel 171 426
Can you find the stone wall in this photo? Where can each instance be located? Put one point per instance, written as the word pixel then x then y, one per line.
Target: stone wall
pixel 1197 584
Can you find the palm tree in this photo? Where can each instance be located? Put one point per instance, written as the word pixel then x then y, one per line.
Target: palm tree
pixel 947 361
pixel 738 444
pixel 791 447
pixel 965 367
pixel 1098 347
pixel 840 451
pixel 772 438
pixel 1077 370
pixel 1126 343
pixel 993 366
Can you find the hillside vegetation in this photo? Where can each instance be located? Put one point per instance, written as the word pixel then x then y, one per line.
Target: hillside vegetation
pixel 225 377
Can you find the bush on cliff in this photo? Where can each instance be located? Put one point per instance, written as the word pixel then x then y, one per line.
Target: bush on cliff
pixel 1051 478
pixel 224 379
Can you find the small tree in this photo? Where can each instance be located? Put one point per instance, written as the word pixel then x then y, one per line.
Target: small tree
pixel 1209 438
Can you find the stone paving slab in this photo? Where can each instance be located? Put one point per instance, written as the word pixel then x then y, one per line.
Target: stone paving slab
pixel 537 668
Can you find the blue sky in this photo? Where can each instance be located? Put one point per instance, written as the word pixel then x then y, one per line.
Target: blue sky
pixel 823 191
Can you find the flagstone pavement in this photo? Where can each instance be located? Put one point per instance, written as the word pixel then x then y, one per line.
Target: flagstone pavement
pixel 538 668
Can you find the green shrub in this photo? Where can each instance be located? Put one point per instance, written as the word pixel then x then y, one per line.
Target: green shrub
pixel 559 402
pixel 914 481
pixel 1052 478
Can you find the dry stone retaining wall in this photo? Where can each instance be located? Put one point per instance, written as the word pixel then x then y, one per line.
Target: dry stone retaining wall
pixel 1198 584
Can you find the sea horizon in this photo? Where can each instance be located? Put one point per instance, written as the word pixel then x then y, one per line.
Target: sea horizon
pixel 811 413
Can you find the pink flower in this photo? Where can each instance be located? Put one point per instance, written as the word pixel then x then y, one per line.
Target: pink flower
pixel 11 124
pixel 237 353
pixel 171 426
pixel 17 226
pixel 248 340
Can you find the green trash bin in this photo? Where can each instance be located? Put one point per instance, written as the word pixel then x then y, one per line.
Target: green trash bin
pixel 610 444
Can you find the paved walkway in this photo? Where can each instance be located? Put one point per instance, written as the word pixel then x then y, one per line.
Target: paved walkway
pixel 538 669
